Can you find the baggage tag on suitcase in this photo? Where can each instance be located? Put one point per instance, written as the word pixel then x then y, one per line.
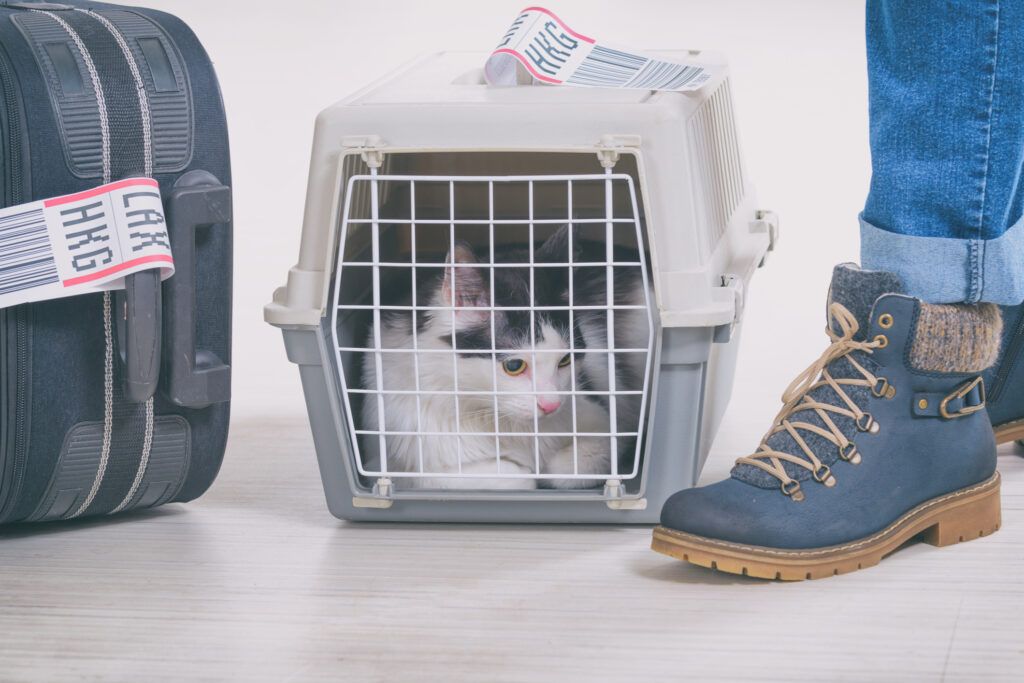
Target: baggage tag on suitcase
pixel 84 242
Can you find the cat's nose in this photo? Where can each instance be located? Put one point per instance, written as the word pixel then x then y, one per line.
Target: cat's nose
pixel 548 405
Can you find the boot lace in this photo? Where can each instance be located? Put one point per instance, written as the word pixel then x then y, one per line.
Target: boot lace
pixel 796 399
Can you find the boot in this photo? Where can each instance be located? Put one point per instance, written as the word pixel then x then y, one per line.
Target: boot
pixel 1004 381
pixel 883 438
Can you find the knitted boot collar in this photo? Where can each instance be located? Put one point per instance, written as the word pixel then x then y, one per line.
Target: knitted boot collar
pixel 956 338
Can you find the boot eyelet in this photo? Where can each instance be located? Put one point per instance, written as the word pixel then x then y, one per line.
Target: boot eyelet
pixel 882 341
pixel 792 489
pixel 882 389
pixel 823 475
pixel 865 423
pixel 848 453
pixel 885 321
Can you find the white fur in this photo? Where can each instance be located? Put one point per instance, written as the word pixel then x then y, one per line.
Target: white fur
pixel 478 451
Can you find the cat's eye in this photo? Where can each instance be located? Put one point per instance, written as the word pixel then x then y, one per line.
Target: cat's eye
pixel 514 366
pixel 566 360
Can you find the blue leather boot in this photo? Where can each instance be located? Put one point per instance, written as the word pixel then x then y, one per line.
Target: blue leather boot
pixel 1004 381
pixel 883 438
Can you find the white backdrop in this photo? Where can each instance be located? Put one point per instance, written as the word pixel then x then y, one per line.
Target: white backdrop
pixel 800 87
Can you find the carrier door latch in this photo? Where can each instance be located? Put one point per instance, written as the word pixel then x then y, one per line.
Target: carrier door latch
pixel 766 222
pixel 723 333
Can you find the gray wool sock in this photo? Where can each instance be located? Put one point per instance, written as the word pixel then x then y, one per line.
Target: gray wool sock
pixel 956 337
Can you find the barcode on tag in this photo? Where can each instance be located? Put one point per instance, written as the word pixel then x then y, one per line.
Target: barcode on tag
pixel 605 66
pixel 541 45
pixel 659 75
pixel 26 256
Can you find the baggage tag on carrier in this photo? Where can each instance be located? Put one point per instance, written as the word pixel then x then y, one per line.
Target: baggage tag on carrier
pixel 83 242
pixel 541 47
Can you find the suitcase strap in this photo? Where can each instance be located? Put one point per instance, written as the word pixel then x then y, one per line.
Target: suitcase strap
pixel 127 150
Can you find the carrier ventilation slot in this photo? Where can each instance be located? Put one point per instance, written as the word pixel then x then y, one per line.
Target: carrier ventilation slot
pixel 403 239
pixel 716 161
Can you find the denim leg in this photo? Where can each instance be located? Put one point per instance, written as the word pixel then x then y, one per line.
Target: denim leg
pixel 946 99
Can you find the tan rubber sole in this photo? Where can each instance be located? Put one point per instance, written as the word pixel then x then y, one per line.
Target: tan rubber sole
pixel 963 515
pixel 1011 431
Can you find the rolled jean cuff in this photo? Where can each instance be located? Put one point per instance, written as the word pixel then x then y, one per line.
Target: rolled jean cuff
pixel 947 270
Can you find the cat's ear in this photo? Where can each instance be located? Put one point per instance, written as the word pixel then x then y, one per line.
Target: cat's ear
pixel 464 286
pixel 556 248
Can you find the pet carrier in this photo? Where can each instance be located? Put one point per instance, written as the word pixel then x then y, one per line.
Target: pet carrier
pixel 519 304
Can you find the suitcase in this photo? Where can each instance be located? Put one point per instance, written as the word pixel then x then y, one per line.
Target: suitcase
pixel 118 400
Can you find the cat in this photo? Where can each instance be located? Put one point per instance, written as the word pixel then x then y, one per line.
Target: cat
pixel 541 362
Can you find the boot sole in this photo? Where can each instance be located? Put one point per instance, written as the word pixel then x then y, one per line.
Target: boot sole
pixel 963 515
pixel 1010 431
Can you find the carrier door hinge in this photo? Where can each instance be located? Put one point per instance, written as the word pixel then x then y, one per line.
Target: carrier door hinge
pixel 613 491
pixel 370 148
pixel 381 499
pixel 611 146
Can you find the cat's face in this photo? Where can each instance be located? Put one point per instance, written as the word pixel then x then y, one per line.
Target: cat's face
pixel 533 361
pixel 528 382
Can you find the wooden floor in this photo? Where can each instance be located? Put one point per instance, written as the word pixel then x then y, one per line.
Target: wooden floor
pixel 256 582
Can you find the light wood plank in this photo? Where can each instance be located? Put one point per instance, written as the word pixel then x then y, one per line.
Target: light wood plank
pixel 257 582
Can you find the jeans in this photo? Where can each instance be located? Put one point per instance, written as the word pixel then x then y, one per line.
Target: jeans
pixel 946 104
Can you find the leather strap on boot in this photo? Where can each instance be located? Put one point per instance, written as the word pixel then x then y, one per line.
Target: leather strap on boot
pixel 968 398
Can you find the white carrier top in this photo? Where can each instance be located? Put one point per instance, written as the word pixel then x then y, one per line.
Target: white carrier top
pixel 704 231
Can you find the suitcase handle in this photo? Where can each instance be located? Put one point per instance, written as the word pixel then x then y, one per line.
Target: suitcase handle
pixel 138 309
pixel 194 378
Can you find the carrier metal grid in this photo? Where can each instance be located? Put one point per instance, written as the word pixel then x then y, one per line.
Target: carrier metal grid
pixel 519 304
pixel 408 385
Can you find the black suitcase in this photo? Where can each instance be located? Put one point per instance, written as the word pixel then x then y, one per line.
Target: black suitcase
pixel 116 400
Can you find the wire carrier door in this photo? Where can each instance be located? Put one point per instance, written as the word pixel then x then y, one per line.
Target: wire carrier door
pixel 398 234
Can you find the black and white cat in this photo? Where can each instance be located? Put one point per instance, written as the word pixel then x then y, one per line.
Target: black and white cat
pixel 539 366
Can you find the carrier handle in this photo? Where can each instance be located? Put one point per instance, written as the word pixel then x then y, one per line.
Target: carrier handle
pixel 194 378
pixel 138 314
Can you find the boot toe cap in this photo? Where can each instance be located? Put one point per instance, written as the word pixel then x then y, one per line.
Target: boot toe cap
pixel 714 511
pixel 737 512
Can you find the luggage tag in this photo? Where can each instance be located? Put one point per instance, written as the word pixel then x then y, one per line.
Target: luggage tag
pixel 540 47
pixel 82 243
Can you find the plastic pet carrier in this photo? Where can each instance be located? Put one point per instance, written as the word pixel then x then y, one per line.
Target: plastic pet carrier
pixel 519 304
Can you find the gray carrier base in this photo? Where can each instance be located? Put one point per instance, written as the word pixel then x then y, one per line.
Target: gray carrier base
pixel 678 440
